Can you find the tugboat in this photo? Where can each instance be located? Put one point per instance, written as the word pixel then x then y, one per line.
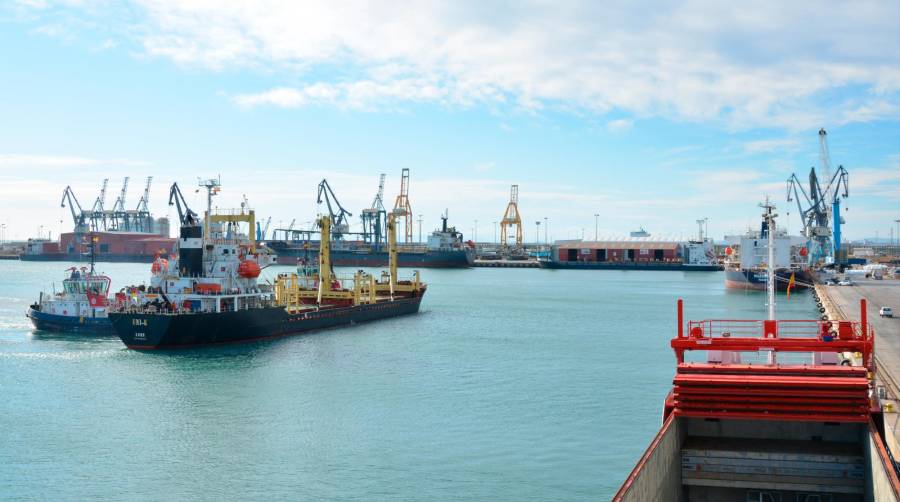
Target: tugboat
pixel 81 307
pixel 779 410
pixel 210 295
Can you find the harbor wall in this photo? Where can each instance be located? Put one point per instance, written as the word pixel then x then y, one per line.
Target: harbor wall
pixel 657 475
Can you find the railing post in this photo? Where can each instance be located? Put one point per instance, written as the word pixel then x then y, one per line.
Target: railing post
pixel 680 318
pixel 863 318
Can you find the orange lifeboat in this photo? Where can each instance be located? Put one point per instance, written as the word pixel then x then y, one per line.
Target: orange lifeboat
pixel 248 269
pixel 803 251
pixel 159 266
pixel 729 251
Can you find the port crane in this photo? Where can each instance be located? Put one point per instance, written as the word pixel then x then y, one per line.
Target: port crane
pixel 820 208
pixel 511 217
pixel 402 208
pixel 186 217
pixel 374 217
pixel 262 231
pixel 78 214
pixel 340 226
pixel 98 214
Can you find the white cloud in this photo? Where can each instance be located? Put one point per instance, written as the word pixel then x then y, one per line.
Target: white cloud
pixel 771 145
pixel 619 125
pixel 765 65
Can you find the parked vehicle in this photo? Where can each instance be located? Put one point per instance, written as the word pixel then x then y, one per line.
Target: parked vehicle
pixel 845 282
pixel 886 312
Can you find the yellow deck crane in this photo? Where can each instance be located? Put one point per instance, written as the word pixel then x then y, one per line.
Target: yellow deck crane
pixel 402 209
pixel 297 295
pixel 511 217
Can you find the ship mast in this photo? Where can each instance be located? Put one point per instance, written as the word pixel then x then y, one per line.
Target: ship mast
pixel 769 216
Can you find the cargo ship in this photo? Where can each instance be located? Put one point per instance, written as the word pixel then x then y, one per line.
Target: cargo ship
pixel 122 235
pixel 635 253
pixel 777 410
pixel 80 307
pixel 746 258
pixel 445 248
pixel 210 295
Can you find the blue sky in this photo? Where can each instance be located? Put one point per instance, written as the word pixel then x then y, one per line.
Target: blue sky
pixel 647 114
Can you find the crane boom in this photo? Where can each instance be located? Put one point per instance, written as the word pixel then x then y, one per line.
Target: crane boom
pixel 186 217
pixel 143 204
pixel 339 219
pixel 68 196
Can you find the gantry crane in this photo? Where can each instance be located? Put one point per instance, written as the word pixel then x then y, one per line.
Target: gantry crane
pixel 339 226
pixel 402 208
pixel 98 213
pixel 119 215
pixel 374 217
pixel 822 214
pixel 511 217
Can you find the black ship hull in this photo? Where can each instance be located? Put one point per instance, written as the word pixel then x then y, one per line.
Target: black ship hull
pixel 144 331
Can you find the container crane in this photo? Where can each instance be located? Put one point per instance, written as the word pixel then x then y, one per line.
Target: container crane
pixel 119 214
pixel 511 217
pixel 262 231
pixel 818 205
pixel 340 226
pixel 374 217
pixel 143 205
pixel 97 213
pixel 402 208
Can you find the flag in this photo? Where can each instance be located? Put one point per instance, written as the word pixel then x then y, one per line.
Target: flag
pixel 790 285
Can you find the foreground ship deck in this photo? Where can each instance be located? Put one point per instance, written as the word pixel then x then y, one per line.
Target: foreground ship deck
pixel 794 426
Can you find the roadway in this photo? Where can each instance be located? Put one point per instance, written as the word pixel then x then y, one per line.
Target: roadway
pixel 885 293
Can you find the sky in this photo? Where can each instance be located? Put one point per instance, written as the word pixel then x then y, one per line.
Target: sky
pixel 647 114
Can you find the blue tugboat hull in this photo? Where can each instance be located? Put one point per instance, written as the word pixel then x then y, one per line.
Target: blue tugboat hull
pixel 70 324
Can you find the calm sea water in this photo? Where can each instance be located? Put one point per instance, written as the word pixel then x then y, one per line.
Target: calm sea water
pixel 510 384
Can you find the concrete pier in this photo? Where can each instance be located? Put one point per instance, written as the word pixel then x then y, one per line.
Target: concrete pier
pixel 842 302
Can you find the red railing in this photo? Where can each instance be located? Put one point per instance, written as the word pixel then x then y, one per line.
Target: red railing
pixel 773 388
pixel 776 336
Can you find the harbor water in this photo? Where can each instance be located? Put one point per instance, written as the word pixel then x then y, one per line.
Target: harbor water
pixel 520 384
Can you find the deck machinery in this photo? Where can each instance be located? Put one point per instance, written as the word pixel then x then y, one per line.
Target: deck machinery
pixel 779 410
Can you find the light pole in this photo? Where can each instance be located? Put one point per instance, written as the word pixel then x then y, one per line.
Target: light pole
pixel 420 229
pixel 898 236
pixel 537 233
pixel 596 225
pixel 475 234
pixel 495 231
pixel 545 231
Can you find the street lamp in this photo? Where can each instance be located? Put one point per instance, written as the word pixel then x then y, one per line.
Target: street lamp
pixel 898 235
pixel 545 231
pixel 537 233
pixel 495 231
pixel 596 225
pixel 475 233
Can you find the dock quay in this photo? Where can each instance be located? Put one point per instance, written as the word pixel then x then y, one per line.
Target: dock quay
pixel 507 263
pixel 842 303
